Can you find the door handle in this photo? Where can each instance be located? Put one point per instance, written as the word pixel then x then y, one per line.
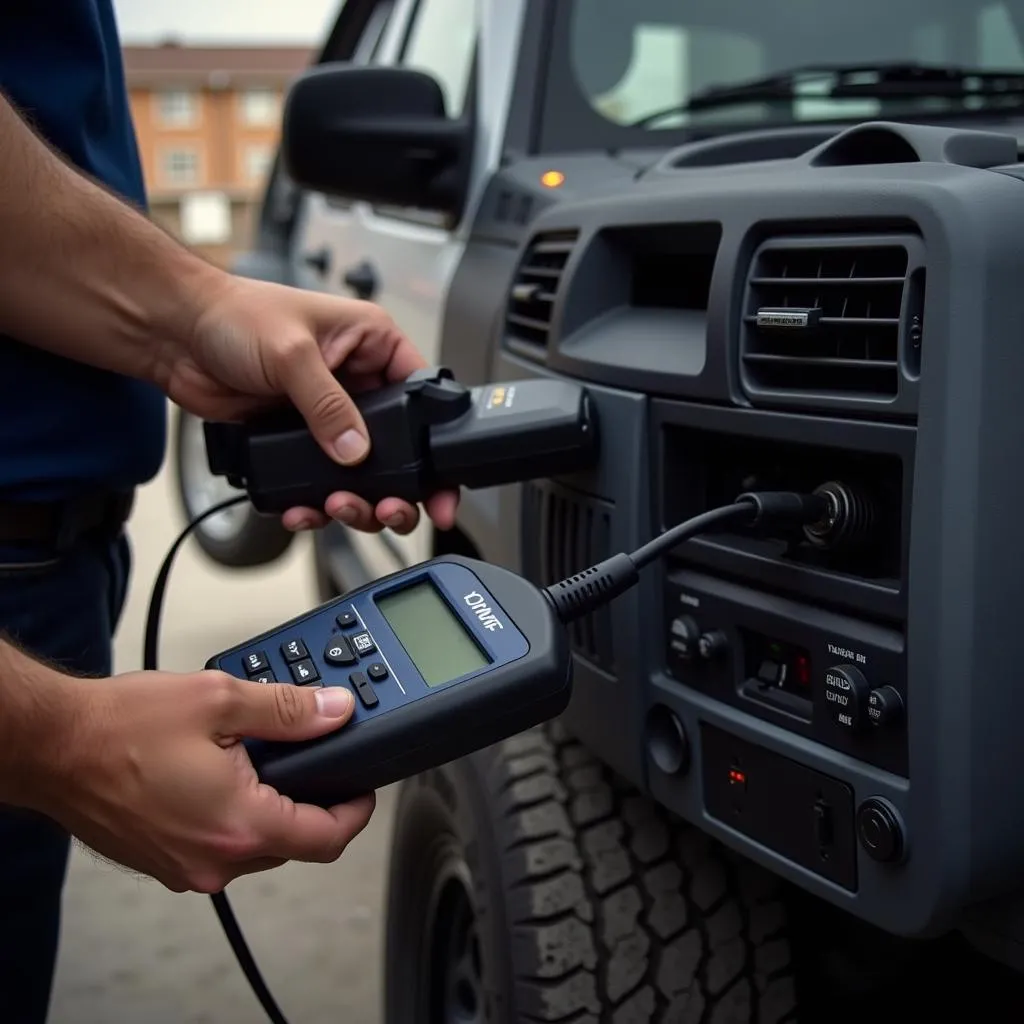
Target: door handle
pixel 320 260
pixel 362 279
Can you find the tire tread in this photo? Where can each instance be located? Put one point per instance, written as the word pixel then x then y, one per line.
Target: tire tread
pixel 622 914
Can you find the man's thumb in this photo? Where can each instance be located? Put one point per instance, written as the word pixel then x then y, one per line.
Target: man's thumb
pixel 328 409
pixel 281 711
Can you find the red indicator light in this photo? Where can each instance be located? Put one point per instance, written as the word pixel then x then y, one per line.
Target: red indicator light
pixel 803 670
pixel 737 778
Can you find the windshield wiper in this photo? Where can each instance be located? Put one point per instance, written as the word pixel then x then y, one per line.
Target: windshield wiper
pixel 846 81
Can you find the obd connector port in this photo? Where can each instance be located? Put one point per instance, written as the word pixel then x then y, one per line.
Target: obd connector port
pixel 848 522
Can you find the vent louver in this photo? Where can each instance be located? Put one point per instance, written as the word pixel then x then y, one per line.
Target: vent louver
pixel 564 532
pixel 532 297
pixel 825 317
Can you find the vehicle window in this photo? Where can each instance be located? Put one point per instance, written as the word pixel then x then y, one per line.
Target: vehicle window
pixel 614 64
pixel 441 42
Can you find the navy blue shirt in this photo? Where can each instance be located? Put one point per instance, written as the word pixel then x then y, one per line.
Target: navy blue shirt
pixel 66 427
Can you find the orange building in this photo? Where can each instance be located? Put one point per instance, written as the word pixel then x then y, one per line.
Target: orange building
pixel 208 121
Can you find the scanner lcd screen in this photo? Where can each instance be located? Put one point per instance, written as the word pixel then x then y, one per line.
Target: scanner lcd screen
pixel 436 640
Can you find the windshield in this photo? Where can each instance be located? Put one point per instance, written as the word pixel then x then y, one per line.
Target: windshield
pixel 623 71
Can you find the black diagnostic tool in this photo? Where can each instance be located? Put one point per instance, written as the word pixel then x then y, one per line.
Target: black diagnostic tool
pixel 428 433
pixel 442 658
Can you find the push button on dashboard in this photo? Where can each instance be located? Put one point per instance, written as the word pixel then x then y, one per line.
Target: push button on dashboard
pixel 879 831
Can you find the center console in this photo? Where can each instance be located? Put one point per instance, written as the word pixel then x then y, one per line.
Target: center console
pixel 844 710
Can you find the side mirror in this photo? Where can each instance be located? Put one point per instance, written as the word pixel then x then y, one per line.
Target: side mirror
pixel 376 134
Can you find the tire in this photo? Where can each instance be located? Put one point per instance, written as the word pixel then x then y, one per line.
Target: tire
pixel 527 883
pixel 238 537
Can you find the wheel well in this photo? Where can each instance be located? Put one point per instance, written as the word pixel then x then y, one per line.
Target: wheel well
pixel 454 542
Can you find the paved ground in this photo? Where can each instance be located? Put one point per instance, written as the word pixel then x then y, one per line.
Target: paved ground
pixel 134 952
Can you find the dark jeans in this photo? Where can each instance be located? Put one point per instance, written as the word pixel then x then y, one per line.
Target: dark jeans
pixel 66 610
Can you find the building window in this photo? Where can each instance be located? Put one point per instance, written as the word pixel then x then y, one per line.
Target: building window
pixel 180 167
pixel 257 163
pixel 177 108
pixel 260 107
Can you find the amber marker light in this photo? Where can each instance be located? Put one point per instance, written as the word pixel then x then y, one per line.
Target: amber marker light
pixel 552 179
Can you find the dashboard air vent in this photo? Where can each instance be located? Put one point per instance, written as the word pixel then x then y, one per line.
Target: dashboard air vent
pixel 564 532
pixel 825 318
pixel 532 297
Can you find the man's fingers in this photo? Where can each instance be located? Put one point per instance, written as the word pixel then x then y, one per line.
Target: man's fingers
pixel 303 519
pixel 354 816
pixel 281 711
pixel 332 415
pixel 353 511
pixel 441 508
pixel 397 515
pixel 303 832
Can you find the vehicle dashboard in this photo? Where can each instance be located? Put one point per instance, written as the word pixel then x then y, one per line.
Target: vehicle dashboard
pixel 848 313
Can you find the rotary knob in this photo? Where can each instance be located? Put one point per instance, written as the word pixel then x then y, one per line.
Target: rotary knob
pixel 846 696
pixel 685 637
pixel 712 644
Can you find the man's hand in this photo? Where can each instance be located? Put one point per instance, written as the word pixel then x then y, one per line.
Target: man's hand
pixel 135 301
pixel 255 342
pixel 152 775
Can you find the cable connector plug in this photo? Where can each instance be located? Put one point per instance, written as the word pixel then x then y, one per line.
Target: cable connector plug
pixel 784 508
pixel 592 588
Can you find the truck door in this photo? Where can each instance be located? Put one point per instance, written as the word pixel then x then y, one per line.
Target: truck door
pixel 404 258
pixel 324 239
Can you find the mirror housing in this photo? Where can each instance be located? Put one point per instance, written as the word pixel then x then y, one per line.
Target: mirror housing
pixel 376 134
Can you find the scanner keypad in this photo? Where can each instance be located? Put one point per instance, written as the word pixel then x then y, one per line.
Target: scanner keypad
pixel 256 662
pixel 305 672
pixel 364 691
pixel 362 643
pixel 294 650
pixel 338 652
pixel 355 650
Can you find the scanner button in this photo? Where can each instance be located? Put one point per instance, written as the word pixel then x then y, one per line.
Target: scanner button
pixel 346 620
pixel 363 643
pixel 377 671
pixel 294 650
pixel 338 652
pixel 256 662
pixel 304 672
pixel 363 690
pixel 265 677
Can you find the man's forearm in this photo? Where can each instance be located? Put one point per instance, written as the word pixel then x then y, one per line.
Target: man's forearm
pixel 83 274
pixel 35 714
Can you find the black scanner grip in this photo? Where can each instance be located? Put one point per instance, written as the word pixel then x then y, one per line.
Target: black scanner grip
pixel 427 433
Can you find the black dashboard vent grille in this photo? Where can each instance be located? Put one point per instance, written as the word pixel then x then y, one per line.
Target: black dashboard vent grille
pixel 825 317
pixel 564 532
pixel 532 297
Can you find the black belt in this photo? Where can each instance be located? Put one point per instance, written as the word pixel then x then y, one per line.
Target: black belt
pixel 62 524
